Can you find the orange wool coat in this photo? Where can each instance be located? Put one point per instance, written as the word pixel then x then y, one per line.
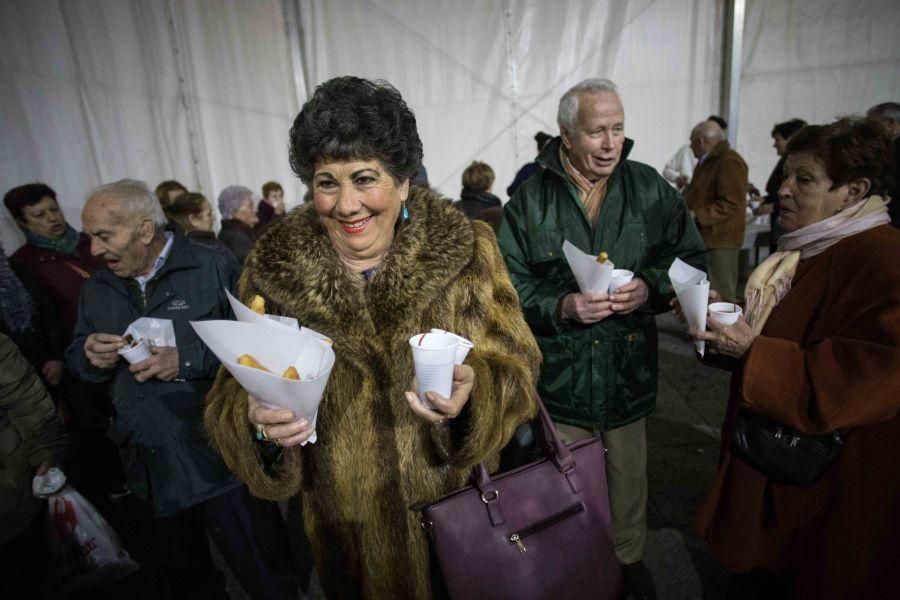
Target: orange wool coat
pixel 827 359
pixel 717 195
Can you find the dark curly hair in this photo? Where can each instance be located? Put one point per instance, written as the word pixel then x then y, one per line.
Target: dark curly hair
pixel 354 118
pixel 850 149
pixel 29 194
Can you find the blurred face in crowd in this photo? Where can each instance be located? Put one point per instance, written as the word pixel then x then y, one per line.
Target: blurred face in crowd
pixel 358 202
pixel 595 147
pixel 203 220
pixel 44 218
pixel 246 212
pixel 780 144
pixel 275 198
pixel 808 195
pixel 125 246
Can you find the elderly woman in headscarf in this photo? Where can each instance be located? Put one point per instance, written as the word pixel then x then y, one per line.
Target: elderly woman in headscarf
pixel 816 356
pixel 238 219
pixel 371 262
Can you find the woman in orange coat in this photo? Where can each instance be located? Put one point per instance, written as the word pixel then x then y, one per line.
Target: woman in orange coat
pixel 818 353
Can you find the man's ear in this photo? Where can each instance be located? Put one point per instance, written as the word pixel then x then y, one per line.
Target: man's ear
pixel 147 231
pixel 564 134
pixel 857 190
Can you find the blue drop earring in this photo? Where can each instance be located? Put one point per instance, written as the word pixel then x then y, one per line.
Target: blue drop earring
pixel 405 211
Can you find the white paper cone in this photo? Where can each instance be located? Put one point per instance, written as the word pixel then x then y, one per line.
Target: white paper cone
pixel 434 356
pixel 590 275
pixel 158 332
pixel 244 314
pixel 276 349
pixel 692 289
pixel 463 346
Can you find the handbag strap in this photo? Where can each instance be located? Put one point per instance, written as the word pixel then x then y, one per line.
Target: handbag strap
pixel 554 449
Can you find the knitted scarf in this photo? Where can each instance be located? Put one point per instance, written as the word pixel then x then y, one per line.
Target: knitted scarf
pixel 67 244
pixel 16 304
pixel 771 280
pixel 591 194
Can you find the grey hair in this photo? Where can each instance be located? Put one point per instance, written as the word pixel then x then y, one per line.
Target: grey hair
pixel 887 111
pixel 567 115
pixel 230 199
pixel 136 201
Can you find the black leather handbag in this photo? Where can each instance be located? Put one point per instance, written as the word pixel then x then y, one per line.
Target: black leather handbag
pixel 782 454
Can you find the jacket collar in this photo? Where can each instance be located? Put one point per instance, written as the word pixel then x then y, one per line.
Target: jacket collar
pixel 295 266
pixel 718 151
pixel 549 156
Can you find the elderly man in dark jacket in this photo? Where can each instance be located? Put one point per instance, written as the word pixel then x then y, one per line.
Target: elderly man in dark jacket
pixel 599 350
pixel 159 401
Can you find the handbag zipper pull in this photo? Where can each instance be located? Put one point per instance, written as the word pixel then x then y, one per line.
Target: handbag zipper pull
pixel 518 541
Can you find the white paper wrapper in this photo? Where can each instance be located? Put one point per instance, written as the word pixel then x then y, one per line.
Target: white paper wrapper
pixel 157 332
pixel 276 348
pixel 243 314
pixel 590 275
pixel 692 289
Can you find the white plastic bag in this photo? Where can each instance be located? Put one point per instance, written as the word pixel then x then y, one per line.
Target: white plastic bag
pixel 86 551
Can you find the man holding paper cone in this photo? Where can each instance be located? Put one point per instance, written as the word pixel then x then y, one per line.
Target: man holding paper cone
pixel 599 371
pixel 159 401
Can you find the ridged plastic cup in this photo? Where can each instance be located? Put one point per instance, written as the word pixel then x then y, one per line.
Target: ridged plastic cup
pixel 434 356
pixel 725 313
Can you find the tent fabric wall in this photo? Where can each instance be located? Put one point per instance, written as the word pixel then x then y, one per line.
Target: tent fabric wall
pixel 484 79
pixel 815 60
pixel 205 90
pixel 94 91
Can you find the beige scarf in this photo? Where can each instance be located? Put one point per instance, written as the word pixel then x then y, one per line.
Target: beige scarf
pixel 771 280
pixel 590 194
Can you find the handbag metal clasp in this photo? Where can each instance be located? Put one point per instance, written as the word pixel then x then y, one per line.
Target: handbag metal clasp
pixel 486 499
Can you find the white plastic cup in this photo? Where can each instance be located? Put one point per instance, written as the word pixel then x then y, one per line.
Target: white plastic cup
pixel 434 355
pixel 463 345
pixel 725 313
pixel 619 278
pixel 136 353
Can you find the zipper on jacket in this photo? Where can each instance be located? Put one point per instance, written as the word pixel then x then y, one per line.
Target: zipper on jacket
pixel 518 537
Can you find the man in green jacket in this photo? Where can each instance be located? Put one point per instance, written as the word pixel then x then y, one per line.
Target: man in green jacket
pixel 600 355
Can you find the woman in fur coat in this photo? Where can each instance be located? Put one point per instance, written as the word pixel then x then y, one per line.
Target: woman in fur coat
pixel 370 263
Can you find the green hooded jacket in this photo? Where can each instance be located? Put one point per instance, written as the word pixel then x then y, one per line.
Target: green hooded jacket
pixel 599 376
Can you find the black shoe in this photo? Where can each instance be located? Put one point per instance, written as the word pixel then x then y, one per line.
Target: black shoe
pixel 639 581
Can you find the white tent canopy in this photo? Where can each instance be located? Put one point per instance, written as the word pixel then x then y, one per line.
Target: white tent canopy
pixel 204 91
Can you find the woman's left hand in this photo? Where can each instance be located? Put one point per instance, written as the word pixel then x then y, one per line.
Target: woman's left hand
pixel 444 408
pixel 729 340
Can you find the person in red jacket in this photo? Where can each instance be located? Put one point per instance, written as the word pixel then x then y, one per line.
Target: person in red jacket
pixel 53 250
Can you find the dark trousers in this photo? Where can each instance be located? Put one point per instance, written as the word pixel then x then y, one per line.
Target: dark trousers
pixel 249 533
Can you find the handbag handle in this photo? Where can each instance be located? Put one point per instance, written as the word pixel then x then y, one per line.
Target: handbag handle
pixel 554 449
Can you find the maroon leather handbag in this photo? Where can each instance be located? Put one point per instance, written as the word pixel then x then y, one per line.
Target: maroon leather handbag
pixel 541 531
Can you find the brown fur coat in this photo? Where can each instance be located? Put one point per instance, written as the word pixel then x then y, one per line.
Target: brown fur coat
pixel 374 457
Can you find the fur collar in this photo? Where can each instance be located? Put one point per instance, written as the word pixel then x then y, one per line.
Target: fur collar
pixel 298 271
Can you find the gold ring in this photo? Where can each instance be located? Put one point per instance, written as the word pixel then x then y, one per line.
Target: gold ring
pixel 261 433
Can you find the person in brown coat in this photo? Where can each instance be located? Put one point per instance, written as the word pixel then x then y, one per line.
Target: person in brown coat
pixel 819 352
pixel 377 262
pixel 717 196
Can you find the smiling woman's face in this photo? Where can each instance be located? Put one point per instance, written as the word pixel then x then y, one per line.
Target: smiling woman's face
pixel 358 202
